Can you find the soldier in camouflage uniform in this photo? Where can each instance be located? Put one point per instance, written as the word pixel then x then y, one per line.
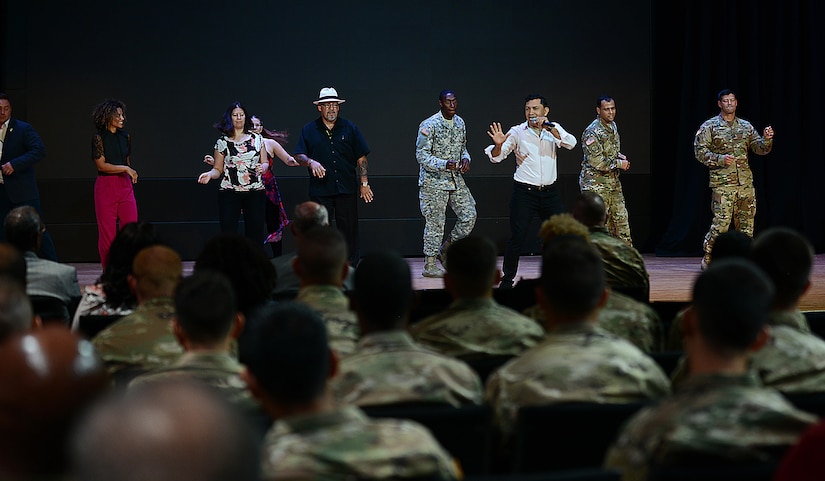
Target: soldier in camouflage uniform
pixel 441 151
pixel 475 326
pixel 601 165
pixel 388 367
pixel 722 144
pixel 577 361
pixel 721 411
pixel 143 339
pixel 206 324
pixel 289 366
pixel 321 264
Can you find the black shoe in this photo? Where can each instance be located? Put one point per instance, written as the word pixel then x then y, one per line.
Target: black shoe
pixel 506 284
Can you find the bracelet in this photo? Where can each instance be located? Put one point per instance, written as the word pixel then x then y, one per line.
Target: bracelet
pixel 365 184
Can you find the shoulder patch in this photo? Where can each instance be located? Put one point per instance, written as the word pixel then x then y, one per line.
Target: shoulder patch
pixel 425 131
pixel 590 140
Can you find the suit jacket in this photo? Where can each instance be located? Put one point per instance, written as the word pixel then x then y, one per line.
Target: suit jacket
pixel 48 278
pixel 23 148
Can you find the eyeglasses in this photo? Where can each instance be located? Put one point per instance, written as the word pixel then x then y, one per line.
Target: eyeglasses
pixel 330 105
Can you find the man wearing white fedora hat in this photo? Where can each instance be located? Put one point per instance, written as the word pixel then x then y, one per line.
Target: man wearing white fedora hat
pixel 335 152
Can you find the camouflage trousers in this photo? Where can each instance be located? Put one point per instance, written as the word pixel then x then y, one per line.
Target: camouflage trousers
pixel 735 203
pixel 434 203
pixel 617 222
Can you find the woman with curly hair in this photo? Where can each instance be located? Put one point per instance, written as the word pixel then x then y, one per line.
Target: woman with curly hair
pixel 114 187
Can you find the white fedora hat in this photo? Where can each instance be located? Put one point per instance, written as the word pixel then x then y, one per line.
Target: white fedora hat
pixel 328 94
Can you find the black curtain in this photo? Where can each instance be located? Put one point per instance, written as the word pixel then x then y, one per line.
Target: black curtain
pixel 771 54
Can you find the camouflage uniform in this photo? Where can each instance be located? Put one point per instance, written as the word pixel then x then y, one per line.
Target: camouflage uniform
pixel 390 368
pixel 439 141
pixel 333 305
pixel 795 319
pixel 600 174
pixel 345 444
pixel 734 197
pixel 625 317
pixel 218 370
pixel 142 339
pixel 472 329
pixel 729 416
pixel 623 264
pixel 575 363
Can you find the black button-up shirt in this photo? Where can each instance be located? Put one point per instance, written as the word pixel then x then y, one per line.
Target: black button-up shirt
pixel 338 150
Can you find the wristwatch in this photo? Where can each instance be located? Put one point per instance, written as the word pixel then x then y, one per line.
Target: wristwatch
pixel 365 184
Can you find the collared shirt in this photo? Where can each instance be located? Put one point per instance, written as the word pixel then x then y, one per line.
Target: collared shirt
pixel 338 150
pixel 601 145
pixel 717 138
pixel 535 153
pixel 440 141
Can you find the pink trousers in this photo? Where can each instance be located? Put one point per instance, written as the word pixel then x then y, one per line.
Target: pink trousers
pixel 115 207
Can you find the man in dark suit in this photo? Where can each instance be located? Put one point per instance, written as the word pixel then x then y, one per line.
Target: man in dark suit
pixel 20 149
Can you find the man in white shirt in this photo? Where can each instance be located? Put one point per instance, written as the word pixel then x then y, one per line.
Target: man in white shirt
pixel 534 190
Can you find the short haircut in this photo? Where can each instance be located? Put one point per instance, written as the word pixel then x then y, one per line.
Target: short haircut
pixel 157 269
pixel 589 209
pixel 23 226
pixel 444 93
pixel 604 98
pixel 731 243
pixel 540 98
pixel 15 308
pixel 724 92
pixel 322 254
pixel 205 306
pixel 383 289
pixel 471 263
pixel 13 264
pixel 732 299
pixel 562 224
pixel 308 216
pixel 572 275
pixel 244 263
pixel 3 96
pixel 786 257
pixel 287 352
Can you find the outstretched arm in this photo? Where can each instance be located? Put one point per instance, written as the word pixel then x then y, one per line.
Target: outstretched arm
pixel 315 167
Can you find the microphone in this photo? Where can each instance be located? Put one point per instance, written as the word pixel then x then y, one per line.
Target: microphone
pixel 549 124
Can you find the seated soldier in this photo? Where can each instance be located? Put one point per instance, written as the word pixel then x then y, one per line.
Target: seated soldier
pixel 289 365
pixel 577 361
pixel 387 366
pixel 721 412
pixel 475 326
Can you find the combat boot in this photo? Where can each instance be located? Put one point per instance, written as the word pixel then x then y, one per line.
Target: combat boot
pixel 442 253
pixel 431 268
pixel 705 262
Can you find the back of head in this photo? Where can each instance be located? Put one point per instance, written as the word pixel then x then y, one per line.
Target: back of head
pixel 589 209
pixel 287 352
pixel 48 378
pixel 731 300
pixel 572 276
pixel 243 263
pixel 15 309
pixel 322 254
pixel 787 258
pixel 129 240
pixel 308 215
pixel 165 431
pixel 157 270
pixel 383 290
pixel 13 264
pixel 23 228
pixel 731 243
pixel 205 306
pixel 471 265
pixel 562 224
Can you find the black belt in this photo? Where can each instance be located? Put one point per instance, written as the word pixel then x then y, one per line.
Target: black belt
pixel 540 188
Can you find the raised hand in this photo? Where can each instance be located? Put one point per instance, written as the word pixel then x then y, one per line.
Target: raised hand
pixel 498 135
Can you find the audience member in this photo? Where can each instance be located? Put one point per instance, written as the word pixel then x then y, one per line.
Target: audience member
pixel 24 230
pixel 721 412
pixel 577 361
pixel 321 265
pixel 110 294
pixel 144 340
pixel 48 378
pixel 624 266
pixel 177 431
pixel 313 439
pixel 12 264
pixel 307 216
pixel 388 367
pixel 475 326
pixel 15 309
pixel 206 323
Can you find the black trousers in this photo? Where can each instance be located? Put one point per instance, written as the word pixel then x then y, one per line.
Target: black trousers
pixel 527 202
pixel 253 205
pixel 343 209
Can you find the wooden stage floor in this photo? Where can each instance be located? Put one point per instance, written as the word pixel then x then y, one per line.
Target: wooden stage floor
pixel 671 278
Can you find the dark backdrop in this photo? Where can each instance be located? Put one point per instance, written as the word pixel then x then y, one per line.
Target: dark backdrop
pixel 178 64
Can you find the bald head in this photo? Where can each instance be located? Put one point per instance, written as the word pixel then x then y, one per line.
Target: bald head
pixel 157 432
pixel 48 377
pixel 156 272
pixel 589 209
pixel 308 215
